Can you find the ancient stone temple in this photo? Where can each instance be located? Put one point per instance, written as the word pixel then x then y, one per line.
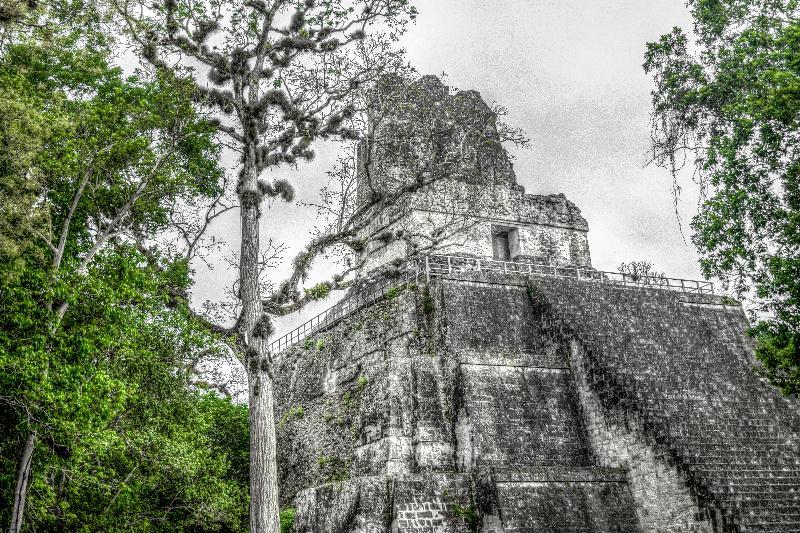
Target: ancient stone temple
pixel 484 377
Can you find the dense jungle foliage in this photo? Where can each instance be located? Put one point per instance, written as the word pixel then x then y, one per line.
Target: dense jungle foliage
pixel 95 335
pixel 727 99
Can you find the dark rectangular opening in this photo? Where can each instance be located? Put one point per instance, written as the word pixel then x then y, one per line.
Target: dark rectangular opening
pixel 500 246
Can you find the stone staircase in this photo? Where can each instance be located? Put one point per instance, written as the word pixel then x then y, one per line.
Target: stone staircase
pixel 519 424
pixel 684 373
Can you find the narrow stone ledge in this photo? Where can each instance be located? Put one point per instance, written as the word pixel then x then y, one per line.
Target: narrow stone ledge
pixel 705 300
pixel 513 360
pixel 476 279
pixel 550 474
pixel 710 305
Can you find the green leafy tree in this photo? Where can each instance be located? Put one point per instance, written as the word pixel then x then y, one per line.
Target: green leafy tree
pixel 101 429
pixel 727 100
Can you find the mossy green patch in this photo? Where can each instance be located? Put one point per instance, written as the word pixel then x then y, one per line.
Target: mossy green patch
pixel 468 514
pixel 287 517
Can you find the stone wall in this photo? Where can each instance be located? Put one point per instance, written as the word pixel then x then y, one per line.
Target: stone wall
pixel 519 424
pixel 505 404
pixel 406 503
pixel 344 399
pixel 664 502
pixel 549 229
pixel 445 408
pixel 420 130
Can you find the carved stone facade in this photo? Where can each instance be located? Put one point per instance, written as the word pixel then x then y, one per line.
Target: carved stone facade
pixel 469 202
pixel 494 402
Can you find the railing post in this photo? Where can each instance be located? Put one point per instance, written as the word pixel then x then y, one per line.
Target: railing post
pixel 449 265
pixel 428 269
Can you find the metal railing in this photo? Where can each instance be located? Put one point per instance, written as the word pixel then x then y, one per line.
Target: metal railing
pixel 444 265
pixel 449 265
pixel 366 295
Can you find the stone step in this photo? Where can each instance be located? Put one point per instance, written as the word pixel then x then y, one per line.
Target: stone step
pixel 523 474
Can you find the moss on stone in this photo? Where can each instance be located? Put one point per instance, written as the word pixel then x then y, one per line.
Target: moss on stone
pixel 468 514
pixel 394 292
pixel 291 414
pixel 428 305
pixel 333 469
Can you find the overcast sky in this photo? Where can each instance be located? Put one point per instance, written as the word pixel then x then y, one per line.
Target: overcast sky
pixel 569 72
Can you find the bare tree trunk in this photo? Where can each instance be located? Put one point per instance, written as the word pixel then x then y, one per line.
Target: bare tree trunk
pixel 264 514
pixel 21 490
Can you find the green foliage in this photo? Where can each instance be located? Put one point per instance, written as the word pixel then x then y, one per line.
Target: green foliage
pixel 468 514
pixel 777 350
pixel 362 382
pixel 287 519
pixel 95 337
pixel 308 344
pixel 320 345
pixel 292 413
pixel 347 399
pixel 320 291
pixel 730 102
pixel 123 441
pixel 394 292
pixel 428 304
pixel 333 469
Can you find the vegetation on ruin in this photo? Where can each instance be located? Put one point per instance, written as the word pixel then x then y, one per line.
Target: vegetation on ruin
pixel 638 270
pixel 293 413
pixel 333 469
pixel 727 102
pixel 287 519
pixel 320 291
pixel 468 514
pixel 428 304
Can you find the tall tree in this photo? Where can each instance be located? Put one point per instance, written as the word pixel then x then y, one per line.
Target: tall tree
pixel 281 72
pixel 727 99
pixel 94 328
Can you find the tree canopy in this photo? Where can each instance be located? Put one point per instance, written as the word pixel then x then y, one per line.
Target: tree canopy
pixel 96 337
pixel 727 100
